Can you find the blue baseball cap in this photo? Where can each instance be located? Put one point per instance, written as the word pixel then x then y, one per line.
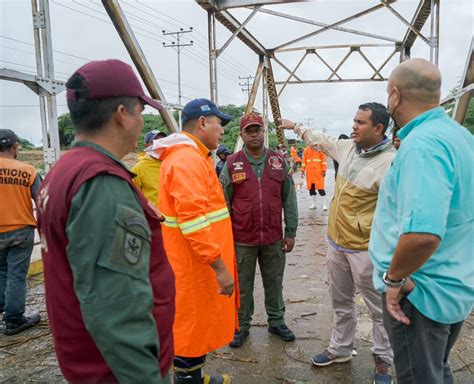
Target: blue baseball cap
pixel 152 135
pixel 202 107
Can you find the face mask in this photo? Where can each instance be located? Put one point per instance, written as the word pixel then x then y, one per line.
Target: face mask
pixel 392 113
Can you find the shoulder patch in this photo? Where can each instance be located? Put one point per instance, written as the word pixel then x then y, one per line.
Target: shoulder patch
pixel 224 179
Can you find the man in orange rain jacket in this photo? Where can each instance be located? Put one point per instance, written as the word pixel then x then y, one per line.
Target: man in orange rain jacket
pixel 198 239
pixel 314 165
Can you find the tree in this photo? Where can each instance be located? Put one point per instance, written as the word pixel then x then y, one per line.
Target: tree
pixel 66 130
pixel 155 122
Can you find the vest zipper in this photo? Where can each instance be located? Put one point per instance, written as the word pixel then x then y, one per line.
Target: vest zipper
pixel 261 209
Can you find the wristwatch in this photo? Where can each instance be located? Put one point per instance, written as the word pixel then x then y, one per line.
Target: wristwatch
pixel 392 283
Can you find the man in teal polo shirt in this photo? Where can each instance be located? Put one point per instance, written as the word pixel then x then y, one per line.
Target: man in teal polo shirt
pixel 421 241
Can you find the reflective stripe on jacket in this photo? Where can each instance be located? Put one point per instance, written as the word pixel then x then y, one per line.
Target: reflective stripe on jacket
pixel 196 232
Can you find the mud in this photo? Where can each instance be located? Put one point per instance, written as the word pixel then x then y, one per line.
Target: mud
pixel 264 358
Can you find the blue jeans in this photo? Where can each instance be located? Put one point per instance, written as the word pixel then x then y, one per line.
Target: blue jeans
pixel 15 254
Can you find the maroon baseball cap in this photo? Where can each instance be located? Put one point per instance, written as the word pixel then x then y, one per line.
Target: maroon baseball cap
pixel 111 78
pixel 251 119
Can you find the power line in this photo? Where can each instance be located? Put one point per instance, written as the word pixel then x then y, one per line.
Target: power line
pixel 177 45
pixel 246 86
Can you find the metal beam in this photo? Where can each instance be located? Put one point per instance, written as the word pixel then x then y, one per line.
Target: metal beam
pixel 326 64
pixel 211 33
pixel 337 46
pixel 319 24
pixel 418 21
pixel 226 4
pixel 232 24
pixel 272 95
pixel 128 38
pixel 285 67
pixel 336 24
pixel 462 104
pixel 327 81
pixel 371 65
pixel 237 31
pixel 293 72
pixel 255 85
pixel 407 23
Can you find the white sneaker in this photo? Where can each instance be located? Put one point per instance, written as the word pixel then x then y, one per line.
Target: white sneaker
pixel 324 207
pixel 312 206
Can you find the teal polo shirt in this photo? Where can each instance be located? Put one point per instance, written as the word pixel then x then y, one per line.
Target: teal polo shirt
pixel 430 189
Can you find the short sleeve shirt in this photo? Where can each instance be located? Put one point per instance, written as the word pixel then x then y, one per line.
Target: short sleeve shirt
pixel 430 189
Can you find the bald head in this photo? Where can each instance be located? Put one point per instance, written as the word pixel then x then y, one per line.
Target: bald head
pixel 418 80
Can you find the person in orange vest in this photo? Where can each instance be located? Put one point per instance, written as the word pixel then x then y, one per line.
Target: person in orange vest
pixel 19 183
pixel 295 159
pixel 314 166
pixel 197 233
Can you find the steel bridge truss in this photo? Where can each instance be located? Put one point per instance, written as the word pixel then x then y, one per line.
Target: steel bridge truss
pixel 219 10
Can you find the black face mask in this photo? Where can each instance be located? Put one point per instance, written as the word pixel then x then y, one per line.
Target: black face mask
pixel 396 127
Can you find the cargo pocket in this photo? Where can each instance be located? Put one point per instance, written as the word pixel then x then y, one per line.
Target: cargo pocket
pixel 242 210
pixel 127 247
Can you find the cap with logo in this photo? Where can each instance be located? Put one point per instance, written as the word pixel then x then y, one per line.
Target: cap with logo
pixel 7 138
pixel 203 107
pixel 251 119
pixel 107 79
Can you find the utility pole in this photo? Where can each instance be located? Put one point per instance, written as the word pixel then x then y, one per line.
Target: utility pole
pixel 308 121
pixel 177 46
pixel 247 84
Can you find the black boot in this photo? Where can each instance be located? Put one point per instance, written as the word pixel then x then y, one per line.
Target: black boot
pixel 239 337
pixel 283 332
pixel 184 373
pixel 25 322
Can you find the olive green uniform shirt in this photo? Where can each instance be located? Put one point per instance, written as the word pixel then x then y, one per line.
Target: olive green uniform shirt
pixel 288 193
pixel 111 278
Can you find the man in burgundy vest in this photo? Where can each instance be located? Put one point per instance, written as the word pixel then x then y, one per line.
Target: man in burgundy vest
pixel 109 286
pixel 258 185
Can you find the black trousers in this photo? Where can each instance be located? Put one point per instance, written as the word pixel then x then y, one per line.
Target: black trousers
pixel 421 349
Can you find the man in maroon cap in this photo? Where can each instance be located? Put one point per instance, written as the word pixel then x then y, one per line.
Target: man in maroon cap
pixel 109 286
pixel 258 185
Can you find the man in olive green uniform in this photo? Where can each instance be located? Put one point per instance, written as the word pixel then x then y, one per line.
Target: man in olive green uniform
pixel 258 185
pixel 109 286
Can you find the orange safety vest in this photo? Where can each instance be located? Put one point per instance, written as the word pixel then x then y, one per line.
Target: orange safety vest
pixel 314 164
pixel 197 231
pixel 16 204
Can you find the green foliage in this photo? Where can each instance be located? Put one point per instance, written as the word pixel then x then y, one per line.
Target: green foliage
pixel 469 120
pixel 66 130
pixel 155 122
pixel 25 144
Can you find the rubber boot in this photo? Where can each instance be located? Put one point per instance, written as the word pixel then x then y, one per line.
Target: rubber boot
pixel 313 202
pixel 325 207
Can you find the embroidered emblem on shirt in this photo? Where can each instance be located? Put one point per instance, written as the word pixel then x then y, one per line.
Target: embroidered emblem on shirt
pixel 132 247
pixel 238 177
pixel 238 165
pixel 275 162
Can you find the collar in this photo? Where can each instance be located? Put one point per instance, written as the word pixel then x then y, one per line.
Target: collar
pixel 254 161
pixel 431 114
pixel 202 148
pixel 373 149
pixel 98 148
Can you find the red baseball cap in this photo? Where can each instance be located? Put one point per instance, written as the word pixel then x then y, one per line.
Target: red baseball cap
pixel 251 119
pixel 110 78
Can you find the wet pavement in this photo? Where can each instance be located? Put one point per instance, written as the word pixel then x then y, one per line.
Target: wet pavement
pixel 264 358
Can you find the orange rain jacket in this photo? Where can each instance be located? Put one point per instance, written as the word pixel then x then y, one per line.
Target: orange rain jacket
pixel 294 155
pixel 196 232
pixel 314 164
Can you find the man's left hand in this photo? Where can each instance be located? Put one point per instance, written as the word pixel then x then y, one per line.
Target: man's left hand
pixel 288 244
pixel 393 298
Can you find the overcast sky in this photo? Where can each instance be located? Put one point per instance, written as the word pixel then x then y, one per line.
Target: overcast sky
pixel 81 31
